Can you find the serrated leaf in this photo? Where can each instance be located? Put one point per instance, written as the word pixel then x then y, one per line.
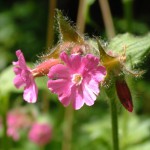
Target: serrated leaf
pixel 137 47
pixel 134 126
pixel 66 31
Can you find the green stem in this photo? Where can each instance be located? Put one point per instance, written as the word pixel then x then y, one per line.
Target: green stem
pixel 5 138
pixel 42 147
pixel 5 103
pixel 50 30
pixel 114 122
pixel 67 131
pixel 128 13
pixel 114 118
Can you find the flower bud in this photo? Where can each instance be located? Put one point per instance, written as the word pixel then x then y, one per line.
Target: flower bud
pixel 124 94
pixel 43 68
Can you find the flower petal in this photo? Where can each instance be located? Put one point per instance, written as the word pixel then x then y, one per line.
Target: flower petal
pixel 77 97
pixel 64 57
pixel 89 62
pixel 65 99
pixel 18 81
pixel 94 86
pixel 73 62
pixel 30 93
pixel 21 60
pixel 59 86
pixel 89 96
pixel 59 72
pixel 17 70
pixel 99 74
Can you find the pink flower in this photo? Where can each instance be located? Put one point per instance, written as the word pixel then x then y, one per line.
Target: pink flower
pixel 17 121
pixel 40 134
pixel 77 81
pixel 25 78
pixel 12 132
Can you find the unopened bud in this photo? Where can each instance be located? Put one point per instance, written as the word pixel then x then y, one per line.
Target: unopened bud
pixel 124 94
pixel 43 68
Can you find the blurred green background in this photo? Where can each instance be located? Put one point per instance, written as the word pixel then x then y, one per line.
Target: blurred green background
pixel 24 25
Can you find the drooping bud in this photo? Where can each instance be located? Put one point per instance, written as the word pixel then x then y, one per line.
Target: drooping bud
pixel 115 68
pixel 124 94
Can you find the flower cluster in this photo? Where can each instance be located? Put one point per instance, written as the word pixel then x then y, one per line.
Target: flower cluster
pixel 16 121
pixel 24 122
pixel 75 77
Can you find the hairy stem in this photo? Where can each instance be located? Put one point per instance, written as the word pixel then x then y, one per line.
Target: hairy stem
pixel 114 122
pixel 68 118
pixel 114 117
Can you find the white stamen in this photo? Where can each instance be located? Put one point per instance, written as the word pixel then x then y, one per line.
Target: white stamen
pixel 77 79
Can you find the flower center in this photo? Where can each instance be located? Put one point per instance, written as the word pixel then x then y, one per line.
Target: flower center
pixel 77 79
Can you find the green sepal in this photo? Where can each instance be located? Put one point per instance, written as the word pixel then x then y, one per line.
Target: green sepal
pixel 66 31
pixel 105 58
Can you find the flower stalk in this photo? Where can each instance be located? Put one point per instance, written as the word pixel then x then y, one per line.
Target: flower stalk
pixel 114 122
pixel 5 100
pixel 68 125
pixel 114 118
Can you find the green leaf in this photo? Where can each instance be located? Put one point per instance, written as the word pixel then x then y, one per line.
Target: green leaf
pixel 134 126
pixel 66 31
pixel 41 83
pixel 6 81
pixel 137 48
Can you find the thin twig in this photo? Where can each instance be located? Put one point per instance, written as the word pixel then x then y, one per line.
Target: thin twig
pixel 50 39
pixel 50 30
pixel 107 17
pixel 81 15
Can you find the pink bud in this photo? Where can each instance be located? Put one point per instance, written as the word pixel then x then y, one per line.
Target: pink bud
pixel 43 68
